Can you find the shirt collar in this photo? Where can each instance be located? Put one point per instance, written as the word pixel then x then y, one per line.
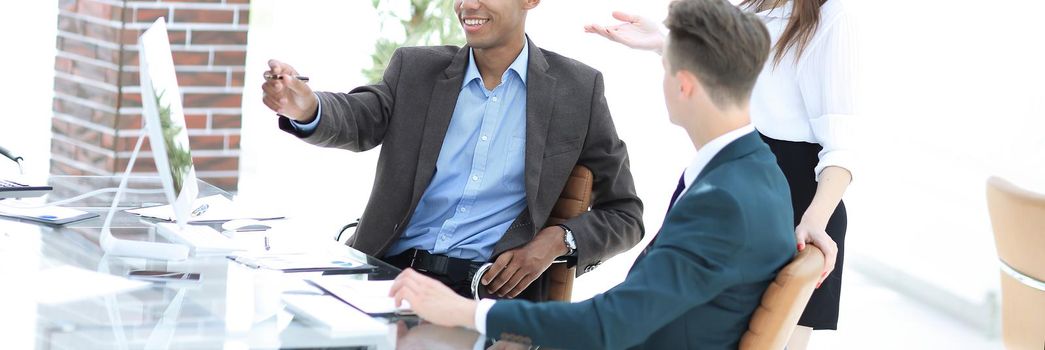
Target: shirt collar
pixel 706 153
pixel 518 66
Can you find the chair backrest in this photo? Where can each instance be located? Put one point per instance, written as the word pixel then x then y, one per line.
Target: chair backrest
pixel 783 302
pixel 1018 220
pixel 574 200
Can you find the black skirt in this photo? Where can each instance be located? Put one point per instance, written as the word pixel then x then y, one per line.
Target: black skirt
pixel 798 160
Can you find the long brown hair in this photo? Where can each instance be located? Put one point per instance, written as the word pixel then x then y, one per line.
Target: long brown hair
pixel 805 17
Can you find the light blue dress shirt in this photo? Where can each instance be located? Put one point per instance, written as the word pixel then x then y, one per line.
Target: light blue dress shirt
pixel 478 188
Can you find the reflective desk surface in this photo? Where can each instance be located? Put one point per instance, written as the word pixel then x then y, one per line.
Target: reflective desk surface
pixel 230 307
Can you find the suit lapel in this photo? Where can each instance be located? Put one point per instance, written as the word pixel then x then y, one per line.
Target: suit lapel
pixel 540 103
pixel 440 110
pixel 734 150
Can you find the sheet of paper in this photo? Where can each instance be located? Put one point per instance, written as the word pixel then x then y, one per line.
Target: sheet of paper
pixel 219 209
pixel 369 296
pixel 66 283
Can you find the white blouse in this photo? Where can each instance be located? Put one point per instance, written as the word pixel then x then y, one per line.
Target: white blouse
pixel 813 100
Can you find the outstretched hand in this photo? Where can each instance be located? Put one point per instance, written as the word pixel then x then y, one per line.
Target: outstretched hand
pixel 287 96
pixel 636 32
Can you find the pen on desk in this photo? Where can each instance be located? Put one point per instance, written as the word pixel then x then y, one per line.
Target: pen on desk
pixel 270 76
pixel 200 210
pixel 267 246
pixel 245 262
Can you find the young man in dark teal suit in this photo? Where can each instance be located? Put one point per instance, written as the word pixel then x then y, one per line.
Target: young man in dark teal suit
pixel 728 231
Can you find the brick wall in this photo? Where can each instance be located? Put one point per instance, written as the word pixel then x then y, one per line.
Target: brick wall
pixel 97 104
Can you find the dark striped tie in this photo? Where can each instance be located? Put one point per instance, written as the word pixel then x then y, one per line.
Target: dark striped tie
pixel 678 192
pixel 674 197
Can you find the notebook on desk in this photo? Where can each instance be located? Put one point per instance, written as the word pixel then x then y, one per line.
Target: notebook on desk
pixel 52 215
pixel 14 189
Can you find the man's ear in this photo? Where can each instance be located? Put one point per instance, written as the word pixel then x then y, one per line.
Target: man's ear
pixel 689 84
pixel 531 4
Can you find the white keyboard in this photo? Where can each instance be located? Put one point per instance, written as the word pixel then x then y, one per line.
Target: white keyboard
pixel 203 240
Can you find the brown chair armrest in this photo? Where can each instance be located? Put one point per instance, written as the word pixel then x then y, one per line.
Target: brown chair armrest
pixel 574 200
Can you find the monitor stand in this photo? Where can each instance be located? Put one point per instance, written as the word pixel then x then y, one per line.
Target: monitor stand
pixel 131 248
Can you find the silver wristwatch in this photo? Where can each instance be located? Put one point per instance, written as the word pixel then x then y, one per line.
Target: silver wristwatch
pixel 571 244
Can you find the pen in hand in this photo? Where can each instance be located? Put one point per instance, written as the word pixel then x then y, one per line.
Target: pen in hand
pixel 270 76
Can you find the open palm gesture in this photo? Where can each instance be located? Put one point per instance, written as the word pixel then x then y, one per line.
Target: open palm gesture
pixel 636 32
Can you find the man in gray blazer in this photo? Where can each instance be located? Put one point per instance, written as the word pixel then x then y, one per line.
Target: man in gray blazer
pixel 728 230
pixel 477 144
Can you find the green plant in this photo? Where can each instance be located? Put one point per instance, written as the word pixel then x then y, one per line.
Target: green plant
pixel 429 22
pixel 178 157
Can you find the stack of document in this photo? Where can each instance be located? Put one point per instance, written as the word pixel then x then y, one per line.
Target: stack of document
pixel 211 209
pixel 303 262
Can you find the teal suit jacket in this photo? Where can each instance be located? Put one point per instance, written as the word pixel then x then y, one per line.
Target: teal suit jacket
pixel 719 248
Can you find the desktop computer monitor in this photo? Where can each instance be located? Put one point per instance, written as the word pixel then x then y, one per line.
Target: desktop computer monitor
pixel 165 121
pixel 165 126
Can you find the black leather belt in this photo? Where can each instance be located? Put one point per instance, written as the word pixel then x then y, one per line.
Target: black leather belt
pixel 456 270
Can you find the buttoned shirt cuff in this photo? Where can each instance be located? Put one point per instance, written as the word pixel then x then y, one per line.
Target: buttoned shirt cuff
pixel 309 128
pixel 480 314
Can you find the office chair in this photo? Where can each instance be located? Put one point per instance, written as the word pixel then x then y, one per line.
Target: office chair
pixel 783 302
pixel 1018 219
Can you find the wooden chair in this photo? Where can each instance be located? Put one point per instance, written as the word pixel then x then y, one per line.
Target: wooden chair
pixel 574 200
pixel 1018 219
pixel 783 302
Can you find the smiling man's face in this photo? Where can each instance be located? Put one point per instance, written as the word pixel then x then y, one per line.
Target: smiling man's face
pixel 492 23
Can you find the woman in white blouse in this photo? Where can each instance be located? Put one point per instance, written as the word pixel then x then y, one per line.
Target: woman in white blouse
pixel 802 105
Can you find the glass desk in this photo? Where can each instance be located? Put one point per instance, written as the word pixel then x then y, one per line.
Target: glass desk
pixel 230 307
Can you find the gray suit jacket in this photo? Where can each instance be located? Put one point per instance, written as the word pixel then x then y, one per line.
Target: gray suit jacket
pixel 409 111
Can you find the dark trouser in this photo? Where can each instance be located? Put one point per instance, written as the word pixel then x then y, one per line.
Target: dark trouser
pixel 797 160
pixel 458 274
